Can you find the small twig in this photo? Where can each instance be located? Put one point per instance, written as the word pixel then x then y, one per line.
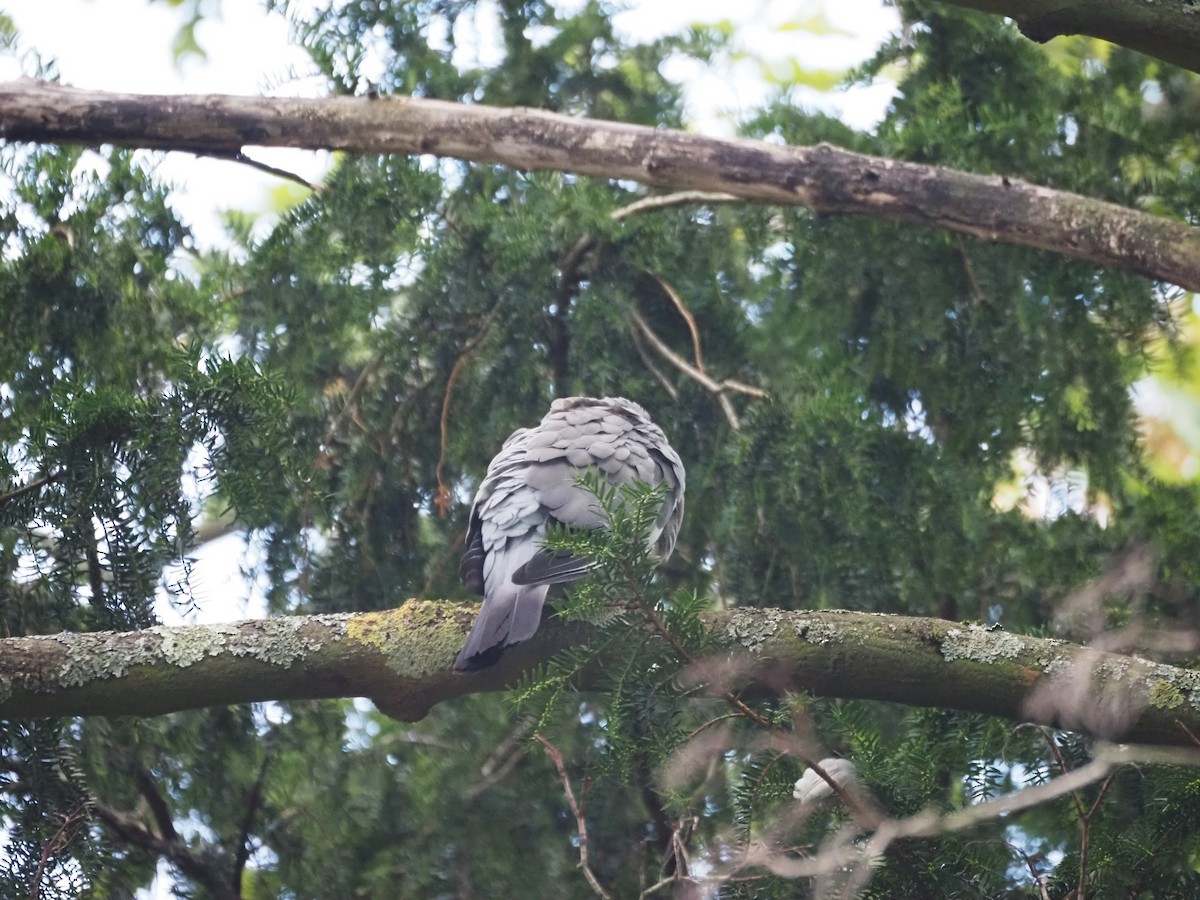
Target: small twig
pixel 245 160
pixel 1188 732
pixel 718 388
pixel 194 863
pixel 157 804
pixel 742 388
pixel 976 292
pixel 345 411
pixel 697 356
pixel 556 755
pixel 657 886
pixel 1085 818
pixel 442 500
pixel 1037 876
pixel 710 723
pixel 503 759
pixel 57 842
pixel 671 390
pixel 701 378
pixel 679 198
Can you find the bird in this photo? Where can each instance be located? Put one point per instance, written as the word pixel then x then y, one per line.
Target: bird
pixel 532 483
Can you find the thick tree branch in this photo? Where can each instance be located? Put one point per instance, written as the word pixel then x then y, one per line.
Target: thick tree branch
pixel 824 179
pixel 195 864
pixel 1165 29
pixel 401 658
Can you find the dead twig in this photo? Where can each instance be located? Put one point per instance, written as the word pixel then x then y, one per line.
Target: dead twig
pixel 719 389
pixel 503 759
pixel 556 756
pixel 697 356
pixel 59 840
pixel 678 198
pixel 654 370
pixel 245 160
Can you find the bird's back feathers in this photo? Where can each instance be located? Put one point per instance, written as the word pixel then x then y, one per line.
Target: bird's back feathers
pixel 532 482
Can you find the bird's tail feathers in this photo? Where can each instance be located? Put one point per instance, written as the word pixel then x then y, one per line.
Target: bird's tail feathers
pixel 510 616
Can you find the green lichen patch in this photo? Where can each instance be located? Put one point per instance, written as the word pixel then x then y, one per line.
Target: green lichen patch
pixel 1165 696
pixel 1168 683
pixel 419 637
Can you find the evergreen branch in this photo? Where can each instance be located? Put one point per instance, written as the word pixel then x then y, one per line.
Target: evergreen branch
pixel 628 565
pixel 824 178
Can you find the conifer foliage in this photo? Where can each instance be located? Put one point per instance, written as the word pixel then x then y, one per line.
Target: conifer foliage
pixel 851 398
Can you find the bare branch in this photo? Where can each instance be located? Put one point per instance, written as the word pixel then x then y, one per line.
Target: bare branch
pixel 672 391
pixel 190 862
pixel 36 485
pixel 823 178
pixel 719 389
pixel 1167 29
pixel 697 356
pixel 253 804
pixel 157 804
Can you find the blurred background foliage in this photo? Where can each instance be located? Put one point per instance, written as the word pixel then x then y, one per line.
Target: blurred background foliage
pixel 952 428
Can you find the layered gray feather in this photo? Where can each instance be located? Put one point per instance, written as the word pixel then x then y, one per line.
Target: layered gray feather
pixel 534 481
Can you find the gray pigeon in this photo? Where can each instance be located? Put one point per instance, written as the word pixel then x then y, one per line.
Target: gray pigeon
pixel 532 482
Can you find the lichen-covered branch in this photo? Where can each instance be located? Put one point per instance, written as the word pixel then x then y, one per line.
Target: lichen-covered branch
pixel 401 659
pixel 938 663
pixel 1165 29
pixel 824 178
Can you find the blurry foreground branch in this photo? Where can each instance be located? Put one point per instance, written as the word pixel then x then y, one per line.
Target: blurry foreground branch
pixel 401 659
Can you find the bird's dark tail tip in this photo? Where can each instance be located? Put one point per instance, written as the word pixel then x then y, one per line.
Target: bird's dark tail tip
pixel 476 661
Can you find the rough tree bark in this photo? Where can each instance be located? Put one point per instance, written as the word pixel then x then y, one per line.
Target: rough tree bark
pixel 1165 29
pixel 824 178
pixel 401 658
